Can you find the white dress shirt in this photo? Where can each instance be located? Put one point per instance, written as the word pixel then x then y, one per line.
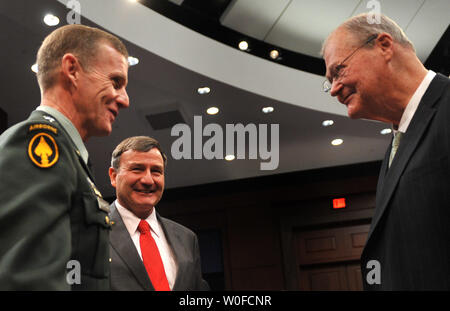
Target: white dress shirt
pixel 131 222
pixel 413 103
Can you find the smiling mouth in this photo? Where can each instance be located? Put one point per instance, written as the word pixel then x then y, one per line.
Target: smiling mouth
pixel 144 191
pixel 114 113
pixel 345 101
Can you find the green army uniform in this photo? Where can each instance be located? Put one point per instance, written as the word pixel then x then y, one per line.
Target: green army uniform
pixel 54 225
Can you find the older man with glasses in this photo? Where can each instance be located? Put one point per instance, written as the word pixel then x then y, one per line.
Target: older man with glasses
pixel 373 70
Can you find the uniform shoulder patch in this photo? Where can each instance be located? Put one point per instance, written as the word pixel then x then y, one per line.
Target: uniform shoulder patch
pixel 43 126
pixel 43 150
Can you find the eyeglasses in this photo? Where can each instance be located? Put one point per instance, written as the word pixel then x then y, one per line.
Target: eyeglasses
pixel 326 85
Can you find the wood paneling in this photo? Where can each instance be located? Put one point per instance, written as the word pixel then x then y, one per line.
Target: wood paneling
pixel 328 259
pixel 261 218
pixel 354 277
pixel 331 278
pixel 258 278
pixel 320 279
pixel 320 244
pixel 255 252
pixel 253 237
pixel 331 245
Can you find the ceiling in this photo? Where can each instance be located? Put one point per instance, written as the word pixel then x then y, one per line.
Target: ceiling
pixel 174 61
pixel 301 25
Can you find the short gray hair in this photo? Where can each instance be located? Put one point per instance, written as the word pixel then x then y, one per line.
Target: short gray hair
pixel 83 41
pixel 361 29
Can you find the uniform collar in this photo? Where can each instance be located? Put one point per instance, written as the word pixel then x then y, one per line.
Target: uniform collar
pixel 69 128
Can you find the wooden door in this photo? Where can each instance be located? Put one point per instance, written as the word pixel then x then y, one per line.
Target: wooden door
pixel 328 259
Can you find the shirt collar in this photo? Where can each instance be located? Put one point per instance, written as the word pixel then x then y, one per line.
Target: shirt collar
pixel 131 221
pixel 411 108
pixel 69 128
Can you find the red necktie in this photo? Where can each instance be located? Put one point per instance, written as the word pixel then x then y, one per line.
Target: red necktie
pixel 152 259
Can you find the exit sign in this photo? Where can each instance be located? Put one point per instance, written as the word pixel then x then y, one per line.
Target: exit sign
pixel 339 203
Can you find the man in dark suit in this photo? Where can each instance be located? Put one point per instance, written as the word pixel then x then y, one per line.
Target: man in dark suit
pixel 54 224
pixel 373 70
pixel 148 252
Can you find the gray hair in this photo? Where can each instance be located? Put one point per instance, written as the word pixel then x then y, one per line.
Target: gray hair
pixel 136 143
pixel 361 29
pixel 83 41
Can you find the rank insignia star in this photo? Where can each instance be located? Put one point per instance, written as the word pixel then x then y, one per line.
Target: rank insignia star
pixel 48 118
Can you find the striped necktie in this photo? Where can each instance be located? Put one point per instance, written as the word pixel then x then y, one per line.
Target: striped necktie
pixel 395 144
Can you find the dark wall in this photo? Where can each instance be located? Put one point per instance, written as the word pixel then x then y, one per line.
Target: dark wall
pixel 3 121
pixel 257 219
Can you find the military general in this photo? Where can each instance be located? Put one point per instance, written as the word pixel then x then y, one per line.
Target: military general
pixel 54 225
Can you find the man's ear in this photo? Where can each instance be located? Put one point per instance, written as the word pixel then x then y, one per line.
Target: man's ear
pixel 70 68
pixel 385 43
pixel 112 176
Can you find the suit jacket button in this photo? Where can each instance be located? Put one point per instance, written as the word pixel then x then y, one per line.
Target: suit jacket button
pixel 107 220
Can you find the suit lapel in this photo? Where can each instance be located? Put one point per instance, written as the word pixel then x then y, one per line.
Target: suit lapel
pixel 390 177
pixel 380 185
pixel 121 241
pixel 383 171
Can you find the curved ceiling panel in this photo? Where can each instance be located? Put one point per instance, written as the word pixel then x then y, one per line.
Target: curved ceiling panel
pixel 191 50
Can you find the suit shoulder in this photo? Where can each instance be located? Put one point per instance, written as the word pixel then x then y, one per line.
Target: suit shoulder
pixel 176 226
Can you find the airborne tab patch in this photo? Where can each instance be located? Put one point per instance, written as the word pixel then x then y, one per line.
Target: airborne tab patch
pixel 43 126
pixel 43 150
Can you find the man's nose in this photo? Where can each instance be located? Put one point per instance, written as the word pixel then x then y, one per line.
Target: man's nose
pixel 147 178
pixel 123 100
pixel 336 87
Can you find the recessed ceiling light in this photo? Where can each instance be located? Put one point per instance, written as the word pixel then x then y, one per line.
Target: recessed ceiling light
pixel 327 123
pixel 243 45
pixel 212 110
pixel 229 157
pixel 203 90
pixel 51 20
pixel 34 68
pixel 267 109
pixel 133 60
pixel 385 131
pixel 274 54
pixel 337 142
